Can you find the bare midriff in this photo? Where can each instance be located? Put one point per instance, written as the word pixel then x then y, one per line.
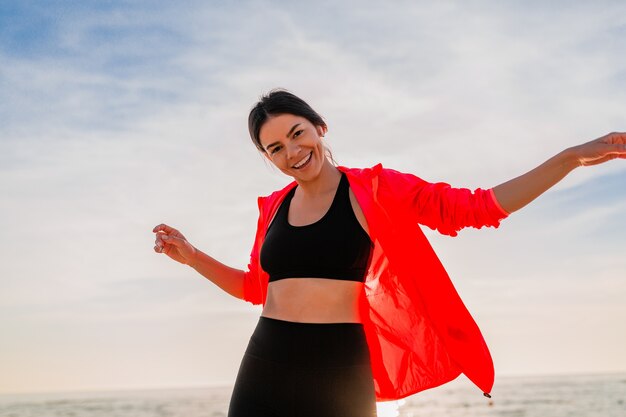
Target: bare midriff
pixel 313 300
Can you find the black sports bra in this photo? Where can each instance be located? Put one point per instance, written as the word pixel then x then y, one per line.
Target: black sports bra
pixel 334 247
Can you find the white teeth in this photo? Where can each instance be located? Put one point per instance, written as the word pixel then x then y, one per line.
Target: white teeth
pixel 303 161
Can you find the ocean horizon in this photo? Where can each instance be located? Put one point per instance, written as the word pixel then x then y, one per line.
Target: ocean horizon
pixel 581 395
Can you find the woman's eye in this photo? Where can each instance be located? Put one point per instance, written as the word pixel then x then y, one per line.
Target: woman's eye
pixel 297 133
pixel 275 149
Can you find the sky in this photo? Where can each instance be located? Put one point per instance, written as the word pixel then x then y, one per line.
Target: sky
pixel 116 116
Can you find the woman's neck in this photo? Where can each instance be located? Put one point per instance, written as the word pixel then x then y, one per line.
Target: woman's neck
pixel 326 181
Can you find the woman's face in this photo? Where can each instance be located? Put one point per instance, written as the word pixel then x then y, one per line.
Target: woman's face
pixel 294 145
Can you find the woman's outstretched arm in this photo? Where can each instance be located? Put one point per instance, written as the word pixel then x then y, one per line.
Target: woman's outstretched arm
pixel 518 192
pixel 172 243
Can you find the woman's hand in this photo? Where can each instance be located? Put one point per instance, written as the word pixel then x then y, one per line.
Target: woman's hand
pixel 600 150
pixel 172 243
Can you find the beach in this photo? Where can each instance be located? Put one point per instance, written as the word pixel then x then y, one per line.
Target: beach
pixel 530 396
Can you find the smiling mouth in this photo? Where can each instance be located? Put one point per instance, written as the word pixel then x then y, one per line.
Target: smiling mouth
pixel 304 161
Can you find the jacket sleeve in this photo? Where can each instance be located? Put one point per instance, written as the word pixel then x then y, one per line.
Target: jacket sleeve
pixel 252 284
pixel 442 207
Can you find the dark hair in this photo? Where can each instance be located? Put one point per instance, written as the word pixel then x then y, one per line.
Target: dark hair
pixel 279 101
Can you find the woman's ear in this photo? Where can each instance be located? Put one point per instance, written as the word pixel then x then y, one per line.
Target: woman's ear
pixel 321 130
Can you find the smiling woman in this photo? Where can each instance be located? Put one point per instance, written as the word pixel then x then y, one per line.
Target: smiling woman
pixel 356 305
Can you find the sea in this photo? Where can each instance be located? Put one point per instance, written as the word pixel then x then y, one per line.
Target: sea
pixel 536 396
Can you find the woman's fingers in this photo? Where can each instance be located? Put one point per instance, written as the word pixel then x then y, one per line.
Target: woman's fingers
pixel 616 139
pixel 161 231
pixel 603 149
pixel 602 159
pixel 165 228
pixel 174 244
pixel 162 238
pixel 173 240
pixel 161 241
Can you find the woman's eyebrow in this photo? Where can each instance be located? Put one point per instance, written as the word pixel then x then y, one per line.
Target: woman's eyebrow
pixel 292 129
pixel 267 148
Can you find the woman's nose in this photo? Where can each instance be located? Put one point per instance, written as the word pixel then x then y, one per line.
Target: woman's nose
pixel 293 150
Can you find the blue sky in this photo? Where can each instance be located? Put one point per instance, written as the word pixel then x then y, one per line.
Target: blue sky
pixel 117 116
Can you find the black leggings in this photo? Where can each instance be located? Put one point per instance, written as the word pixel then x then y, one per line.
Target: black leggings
pixel 305 369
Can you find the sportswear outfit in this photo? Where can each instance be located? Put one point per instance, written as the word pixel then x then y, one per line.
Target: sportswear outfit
pixel 418 332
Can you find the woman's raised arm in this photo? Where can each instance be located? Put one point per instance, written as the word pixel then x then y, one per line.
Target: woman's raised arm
pixel 518 192
pixel 172 243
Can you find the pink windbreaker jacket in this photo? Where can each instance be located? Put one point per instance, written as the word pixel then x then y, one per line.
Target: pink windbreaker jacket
pixel 419 332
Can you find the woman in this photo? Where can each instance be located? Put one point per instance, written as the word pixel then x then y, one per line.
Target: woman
pixel 356 305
